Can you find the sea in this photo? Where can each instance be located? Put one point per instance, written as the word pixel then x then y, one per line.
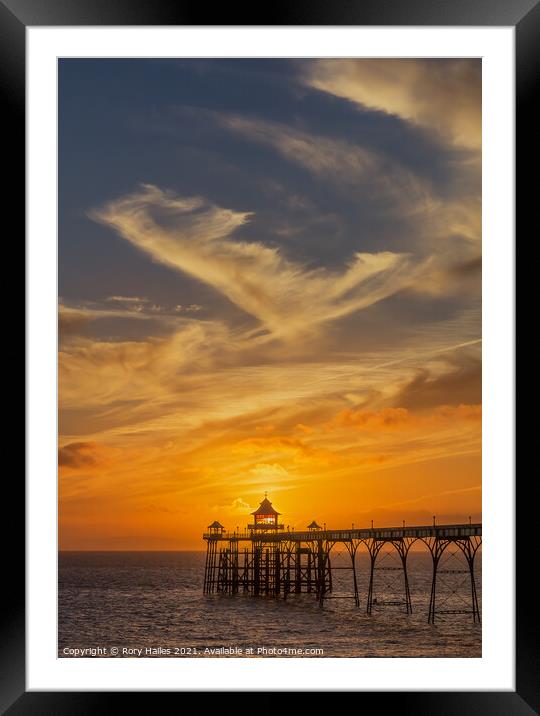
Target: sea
pixel 151 604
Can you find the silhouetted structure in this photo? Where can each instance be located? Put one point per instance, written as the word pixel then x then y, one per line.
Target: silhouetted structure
pixel 267 560
pixel 265 518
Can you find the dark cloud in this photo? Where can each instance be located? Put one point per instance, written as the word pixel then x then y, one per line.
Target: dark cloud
pixel 82 454
pixel 71 323
pixel 463 384
pixel 466 269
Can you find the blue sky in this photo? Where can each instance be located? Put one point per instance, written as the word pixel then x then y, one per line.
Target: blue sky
pixel 127 122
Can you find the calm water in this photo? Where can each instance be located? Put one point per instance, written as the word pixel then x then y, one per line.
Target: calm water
pixel 139 600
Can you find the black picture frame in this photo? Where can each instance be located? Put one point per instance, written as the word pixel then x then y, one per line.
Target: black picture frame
pixel 524 16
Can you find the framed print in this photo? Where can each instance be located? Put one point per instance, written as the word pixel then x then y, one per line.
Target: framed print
pixel 270 368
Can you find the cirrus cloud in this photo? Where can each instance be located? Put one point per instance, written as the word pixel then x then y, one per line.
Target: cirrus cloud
pixel 194 236
pixel 443 96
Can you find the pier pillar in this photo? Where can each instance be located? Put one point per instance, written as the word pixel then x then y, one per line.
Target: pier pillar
pixel 287 575
pixel 324 578
pixel 468 547
pixel 245 571
pixel 257 570
pixel 298 570
pixel 233 577
pixel 277 569
pixel 352 546
pixel 402 546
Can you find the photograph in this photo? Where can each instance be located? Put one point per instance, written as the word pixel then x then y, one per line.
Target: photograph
pixel 269 394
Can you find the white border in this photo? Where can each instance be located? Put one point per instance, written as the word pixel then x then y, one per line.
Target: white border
pixel 495 670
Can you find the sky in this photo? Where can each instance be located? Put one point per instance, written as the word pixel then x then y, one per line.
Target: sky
pixel 269 280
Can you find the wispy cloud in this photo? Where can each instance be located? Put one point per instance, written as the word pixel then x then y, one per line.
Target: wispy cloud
pixel 127 299
pixel 403 419
pixel 71 318
pixel 443 96
pixel 335 161
pixel 194 236
pixel 359 170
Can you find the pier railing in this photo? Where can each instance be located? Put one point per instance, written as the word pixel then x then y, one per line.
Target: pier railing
pixel 386 533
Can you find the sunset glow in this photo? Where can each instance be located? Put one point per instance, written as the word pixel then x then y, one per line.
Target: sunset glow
pixel 270 280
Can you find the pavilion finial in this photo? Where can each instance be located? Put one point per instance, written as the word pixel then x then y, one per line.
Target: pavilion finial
pixel 265 494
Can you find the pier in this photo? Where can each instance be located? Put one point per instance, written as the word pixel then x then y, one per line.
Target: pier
pixel 267 559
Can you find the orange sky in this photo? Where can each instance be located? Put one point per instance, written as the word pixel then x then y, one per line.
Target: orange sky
pixel 213 364
pixel 339 467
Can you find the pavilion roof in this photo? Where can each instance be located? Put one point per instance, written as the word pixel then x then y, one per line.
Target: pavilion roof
pixel 265 508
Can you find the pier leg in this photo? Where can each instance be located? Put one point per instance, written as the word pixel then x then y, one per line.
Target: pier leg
pixel 245 575
pixel 474 597
pixel 298 572
pixel 403 547
pixel 370 588
pixel 234 566
pixel 431 614
pixel 277 570
pixel 408 603
pixel 374 548
pixel 437 547
pixel 469 547
pixel 221 566
pixel 214 568
pixel 256 570
pixel 287 584
pixel 352 552
pixel 206 567
pixel 323 572
pixel 329 570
